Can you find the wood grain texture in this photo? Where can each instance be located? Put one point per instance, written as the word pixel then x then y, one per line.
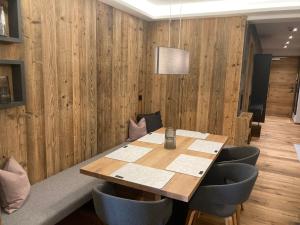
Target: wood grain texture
pixel 87 64
pixel 83 61
pixel 276 195
pixel 120 52
pixel 180 187
pixel 282 84
pixel 207 98
pixel 243 129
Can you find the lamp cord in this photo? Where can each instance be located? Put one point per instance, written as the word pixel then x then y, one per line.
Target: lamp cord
pixel 180 21
pixel 170 20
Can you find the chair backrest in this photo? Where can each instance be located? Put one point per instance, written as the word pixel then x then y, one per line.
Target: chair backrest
pixel 245 154
pixel 217 190
pixel 113 210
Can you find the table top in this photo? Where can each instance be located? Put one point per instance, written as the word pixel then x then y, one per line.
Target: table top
pixel 180 186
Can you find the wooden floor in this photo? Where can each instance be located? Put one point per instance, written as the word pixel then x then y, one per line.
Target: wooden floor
pixel 276 197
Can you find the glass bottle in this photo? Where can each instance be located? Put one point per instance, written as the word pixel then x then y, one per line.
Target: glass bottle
pixel 170 138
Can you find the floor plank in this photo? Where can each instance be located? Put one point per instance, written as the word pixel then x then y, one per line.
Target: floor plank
pixel 275 199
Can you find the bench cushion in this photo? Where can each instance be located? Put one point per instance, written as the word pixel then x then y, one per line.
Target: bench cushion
pixel 53 199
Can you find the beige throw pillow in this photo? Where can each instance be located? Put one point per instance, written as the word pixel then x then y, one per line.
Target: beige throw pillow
pixel 137 130
pixel 14 186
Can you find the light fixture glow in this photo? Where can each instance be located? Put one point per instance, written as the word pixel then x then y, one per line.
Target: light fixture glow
pixel 206 7
pixel 295 29
pixel 172 60
pixel 285 46
pixel 288 42
pixel 291 37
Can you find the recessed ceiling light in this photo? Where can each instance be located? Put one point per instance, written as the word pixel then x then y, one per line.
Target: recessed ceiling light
pixel 291 37
pixel 295 29
pixel 285 46
pixel 288 42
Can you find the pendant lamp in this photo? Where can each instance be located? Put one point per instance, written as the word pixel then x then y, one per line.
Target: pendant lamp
pixel 171 60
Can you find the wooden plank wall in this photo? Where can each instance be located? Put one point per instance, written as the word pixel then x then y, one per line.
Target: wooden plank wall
pixel 207 98
pixel 81 82
pixel 12 121
pixel 121 53
pixel 282 84
pixel 86 65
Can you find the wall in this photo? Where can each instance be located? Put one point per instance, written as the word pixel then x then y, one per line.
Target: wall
pixel 252 47
pixel 13 139
pixel 121 56
pixel 282 83
pixel 86 66
pixel 80 82
pixel 207 98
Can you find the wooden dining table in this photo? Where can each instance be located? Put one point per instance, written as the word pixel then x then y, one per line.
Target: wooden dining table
pixel 180 187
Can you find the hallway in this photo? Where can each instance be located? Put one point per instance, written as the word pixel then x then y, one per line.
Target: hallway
pixel 276 197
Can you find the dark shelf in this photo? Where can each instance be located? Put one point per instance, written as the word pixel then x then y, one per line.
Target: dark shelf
pixel 18 83
pixel 11 105
pixel 14 23
pixel 10 40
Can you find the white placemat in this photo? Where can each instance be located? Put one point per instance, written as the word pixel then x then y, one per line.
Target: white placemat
pixel 144 175
pixel 129 153
pixel 154 138
pixel 297 147
pixel 192 134
pixel 206 146
pixel 190 165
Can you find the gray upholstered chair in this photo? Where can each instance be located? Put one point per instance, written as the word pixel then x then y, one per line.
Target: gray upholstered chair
pixel 114 210
pixel 217 197
pixel 245 154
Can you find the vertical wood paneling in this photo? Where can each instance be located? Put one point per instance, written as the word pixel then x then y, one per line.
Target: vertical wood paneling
pixel 50 74
pixel 282 85
pixel 60 54
pixel 13 135
pixel 120 50
pixel 86 65
pixel 65 81
pixel 105 68
pixel 209 94
pixel 34 89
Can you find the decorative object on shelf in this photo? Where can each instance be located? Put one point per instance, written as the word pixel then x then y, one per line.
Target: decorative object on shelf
pixel 170 138
pixel 3 24
pixel 169 60
pixel 5 96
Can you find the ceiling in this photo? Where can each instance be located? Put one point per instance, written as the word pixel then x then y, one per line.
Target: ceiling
pixel 273 37
pixel 160 9
pixel 167 2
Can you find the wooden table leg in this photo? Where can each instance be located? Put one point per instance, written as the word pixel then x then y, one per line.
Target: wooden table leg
pixel 190 217
pixel 234 219
pixel 238 215
pixel 228 220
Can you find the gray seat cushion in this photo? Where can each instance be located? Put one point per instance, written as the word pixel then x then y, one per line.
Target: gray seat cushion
pixel 53 199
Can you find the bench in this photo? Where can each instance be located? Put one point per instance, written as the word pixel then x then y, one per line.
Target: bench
pixel 54 198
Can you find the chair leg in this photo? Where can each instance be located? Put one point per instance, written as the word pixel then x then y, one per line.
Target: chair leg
pixel 238 215
pixel 190 217
pixel 234 219
pixel 228 220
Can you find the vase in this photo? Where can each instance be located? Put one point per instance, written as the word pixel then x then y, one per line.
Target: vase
pixel 170 138
pixel 2 22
